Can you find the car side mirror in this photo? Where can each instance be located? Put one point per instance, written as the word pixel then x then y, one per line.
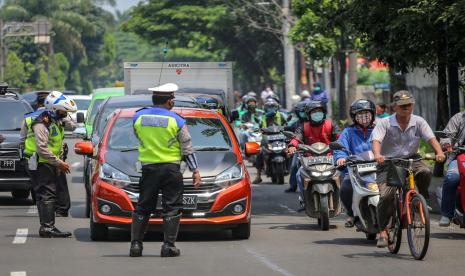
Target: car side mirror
pixel 84 148
pixel 252 148
pixel 80 118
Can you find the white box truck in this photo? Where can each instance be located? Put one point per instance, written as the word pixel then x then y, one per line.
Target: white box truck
pixel 207 75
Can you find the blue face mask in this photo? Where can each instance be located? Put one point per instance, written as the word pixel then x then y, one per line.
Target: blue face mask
pixel 303 116
pixel 270 114
pixel 317 116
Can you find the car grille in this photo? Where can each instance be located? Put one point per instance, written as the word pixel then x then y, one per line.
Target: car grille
pixel 207 186
pixel 9 154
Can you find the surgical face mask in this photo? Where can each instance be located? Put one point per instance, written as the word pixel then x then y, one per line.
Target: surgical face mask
pixel 251 108
pixel 270 113
pixel 317 116
pixel 363 119
pixel 303 116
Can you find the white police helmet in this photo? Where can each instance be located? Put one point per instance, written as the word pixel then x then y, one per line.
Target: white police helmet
pixel 58 101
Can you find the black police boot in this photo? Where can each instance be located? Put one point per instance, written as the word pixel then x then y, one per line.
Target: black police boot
pixel 138 226
pixel 47 221
pixel 170 231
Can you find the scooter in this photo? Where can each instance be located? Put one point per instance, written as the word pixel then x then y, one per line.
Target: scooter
pixel 252 133
pixel 320 181
pixel 459 214
pixel 362 173
pixel 274 147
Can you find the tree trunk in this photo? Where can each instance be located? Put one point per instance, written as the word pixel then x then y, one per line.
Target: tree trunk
pixel 454 98
pixel 342 84
pixel 352 91
pixel 442 106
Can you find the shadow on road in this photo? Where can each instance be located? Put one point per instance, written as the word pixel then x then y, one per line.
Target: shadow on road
pixel 448 236
pixel 405 257
pixel 348 241
pixel 122 235
pixel 10 201
pixel 306 227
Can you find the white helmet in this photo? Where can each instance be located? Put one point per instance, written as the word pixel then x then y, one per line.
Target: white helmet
pixel 58 101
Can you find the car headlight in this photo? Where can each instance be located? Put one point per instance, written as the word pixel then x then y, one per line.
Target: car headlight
pixel 113 176
pixel 230 176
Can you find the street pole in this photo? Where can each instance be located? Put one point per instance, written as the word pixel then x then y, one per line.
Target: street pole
pixel 289 58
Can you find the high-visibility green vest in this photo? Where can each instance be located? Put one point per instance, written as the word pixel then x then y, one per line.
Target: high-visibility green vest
pixel 157 132
pixel 278 120
pixel 56 135
pixel 30 142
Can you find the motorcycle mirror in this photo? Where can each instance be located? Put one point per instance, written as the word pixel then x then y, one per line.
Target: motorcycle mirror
pixel 336 146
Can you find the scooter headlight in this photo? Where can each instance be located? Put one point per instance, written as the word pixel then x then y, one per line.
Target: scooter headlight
pixel 316 174
pixel 373 187
pixel 277 146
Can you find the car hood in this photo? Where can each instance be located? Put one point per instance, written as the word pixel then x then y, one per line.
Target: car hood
pixel 211 163
pixel 11 139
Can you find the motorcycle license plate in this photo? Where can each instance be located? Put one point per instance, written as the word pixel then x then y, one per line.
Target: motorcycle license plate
pixel 320 160
pixel 365 168
pixel 189 202
pixel 276 137
pixel 7 165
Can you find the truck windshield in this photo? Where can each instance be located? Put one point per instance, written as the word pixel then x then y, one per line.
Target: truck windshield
pixel 15 114
pixel 207 135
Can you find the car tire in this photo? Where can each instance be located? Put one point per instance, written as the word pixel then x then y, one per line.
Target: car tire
pixel 21 194
pixel 87 208
pixel 98 231
pixel 242 231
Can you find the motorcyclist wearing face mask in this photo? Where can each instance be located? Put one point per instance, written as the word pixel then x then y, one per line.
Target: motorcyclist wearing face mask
pixel 356 139
pixel 250 113
pixel 272 117
pixel 317 129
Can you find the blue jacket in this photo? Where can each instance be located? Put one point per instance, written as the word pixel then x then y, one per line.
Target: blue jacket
pixel 353 139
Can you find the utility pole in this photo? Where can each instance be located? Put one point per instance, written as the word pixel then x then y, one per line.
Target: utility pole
pixel 289 57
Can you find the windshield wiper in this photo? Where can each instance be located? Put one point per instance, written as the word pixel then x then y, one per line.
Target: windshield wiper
pixel 211 149
pixel 13 129
pixel 130 149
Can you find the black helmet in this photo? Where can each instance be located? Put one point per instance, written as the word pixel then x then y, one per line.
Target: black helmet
pixel 362 105
pixel 312 105
pixel 299 109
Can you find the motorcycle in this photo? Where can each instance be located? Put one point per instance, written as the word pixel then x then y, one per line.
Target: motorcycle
pixel 274 148
pixel 250 133
pixel 365 198
pixel 459 213
pixel 320 181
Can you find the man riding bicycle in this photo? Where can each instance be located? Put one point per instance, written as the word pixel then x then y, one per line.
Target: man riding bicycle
pixel 398 136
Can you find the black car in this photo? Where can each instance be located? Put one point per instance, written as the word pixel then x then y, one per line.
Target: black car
pixel 13 174
pixel 105 110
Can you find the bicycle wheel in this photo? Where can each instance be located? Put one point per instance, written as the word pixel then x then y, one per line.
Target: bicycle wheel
pixel 395 230
pixel 419 229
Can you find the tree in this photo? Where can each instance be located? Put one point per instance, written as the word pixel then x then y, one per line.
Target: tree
pixel 15 73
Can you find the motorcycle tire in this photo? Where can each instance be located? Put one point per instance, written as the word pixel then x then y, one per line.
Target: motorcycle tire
pixel 324 212
pixel 370 236
pixel 280 173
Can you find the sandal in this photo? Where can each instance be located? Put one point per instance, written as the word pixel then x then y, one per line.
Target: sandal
pixel 349 223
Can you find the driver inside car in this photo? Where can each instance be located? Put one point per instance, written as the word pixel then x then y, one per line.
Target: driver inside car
pixel 316 129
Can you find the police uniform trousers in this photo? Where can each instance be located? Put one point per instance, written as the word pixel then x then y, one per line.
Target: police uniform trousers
pixel 164 178
pixel 46 178
pixel 63 200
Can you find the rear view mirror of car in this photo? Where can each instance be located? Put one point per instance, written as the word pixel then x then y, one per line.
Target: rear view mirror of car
pixel 84 148
pixel 252 148
pixel 80 117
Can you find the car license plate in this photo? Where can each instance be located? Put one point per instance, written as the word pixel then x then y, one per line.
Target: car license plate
pixel 365 168
pixel 189 202
pixel 7 165
pixel 320 160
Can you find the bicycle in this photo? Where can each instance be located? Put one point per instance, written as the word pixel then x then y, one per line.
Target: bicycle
pixel 411 213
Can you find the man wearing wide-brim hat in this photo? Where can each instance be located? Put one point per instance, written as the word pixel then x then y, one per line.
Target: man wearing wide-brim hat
pixel 398 136
pixel 164 142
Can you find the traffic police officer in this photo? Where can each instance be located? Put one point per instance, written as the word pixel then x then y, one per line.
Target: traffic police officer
pixel 164 141
pixel 45 145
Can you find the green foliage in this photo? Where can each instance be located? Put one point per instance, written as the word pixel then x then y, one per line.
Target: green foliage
pixel 15 73
pixel 370 76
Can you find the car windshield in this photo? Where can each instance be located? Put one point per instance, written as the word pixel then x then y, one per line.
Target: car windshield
pixel 14 111
pixel 93 111
pixel 82 104
pixel 207 135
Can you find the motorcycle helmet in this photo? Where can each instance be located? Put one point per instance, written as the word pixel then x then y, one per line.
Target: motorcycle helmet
pixel 249 107
pixel 317 117
pixel 356 109
pixel 274 97
pixel 57 101
pixel 271 108
pixel 299 111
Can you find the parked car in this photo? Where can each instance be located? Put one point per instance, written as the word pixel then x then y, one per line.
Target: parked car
pixel 222 201
pixel 13 174
pixel 106 108
pixel 83 103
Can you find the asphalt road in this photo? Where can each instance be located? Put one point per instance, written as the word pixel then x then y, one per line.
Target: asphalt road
pixel 283 242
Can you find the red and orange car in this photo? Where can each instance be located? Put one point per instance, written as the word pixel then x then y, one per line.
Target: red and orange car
pixel 223 200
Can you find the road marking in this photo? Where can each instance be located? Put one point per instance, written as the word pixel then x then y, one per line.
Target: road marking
pixel 32 210
pixel 18 273
pixel 269 263
pixel 75 164
pixel 288 208
pixel 21 236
